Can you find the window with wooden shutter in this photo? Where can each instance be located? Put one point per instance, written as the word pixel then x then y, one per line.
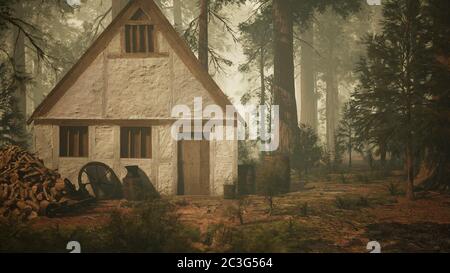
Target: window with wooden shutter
pixel 135 142
pixel 139 38
pixel 73 141
pixel 139 34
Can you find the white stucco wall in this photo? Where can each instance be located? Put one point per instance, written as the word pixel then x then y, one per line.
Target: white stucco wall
pixel 103 147
pixel 161 169
pixel 84 99
pixel 131 88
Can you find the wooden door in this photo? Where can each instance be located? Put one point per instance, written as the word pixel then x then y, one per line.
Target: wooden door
pixel 193 167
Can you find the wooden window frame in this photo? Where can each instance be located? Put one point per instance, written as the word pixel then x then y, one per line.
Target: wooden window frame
pixel 74 141
pixel 136 143
pixel 127 48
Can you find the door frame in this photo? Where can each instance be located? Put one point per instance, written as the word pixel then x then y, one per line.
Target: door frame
pixel 180 189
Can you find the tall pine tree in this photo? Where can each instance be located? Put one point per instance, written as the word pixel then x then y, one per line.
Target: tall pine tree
pixel 399 84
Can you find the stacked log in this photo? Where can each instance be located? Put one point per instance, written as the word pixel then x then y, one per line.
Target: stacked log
pixel 27 187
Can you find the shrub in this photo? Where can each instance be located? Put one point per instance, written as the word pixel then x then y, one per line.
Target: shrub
pixel 304 210
pixel 393 189
pixel 238 211
pixel 275 179
pixel 218 236
pixel 152 227
pixel 277 237
pixel 24 238
pixel 351 203
pixel 343 178
pixel 307 152
pixel 363 178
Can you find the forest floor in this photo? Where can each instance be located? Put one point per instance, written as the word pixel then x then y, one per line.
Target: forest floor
pixel 338 213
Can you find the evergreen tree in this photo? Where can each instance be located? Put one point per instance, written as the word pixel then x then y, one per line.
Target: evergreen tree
pixel 346 135
pixel 256 40
pixel 25 41
pixel 307 151
pixel 436 150
pixel 306 88
pixel 337 42
pixel 285 15
pixel 11 119
pixel 205 32
pixel 396 93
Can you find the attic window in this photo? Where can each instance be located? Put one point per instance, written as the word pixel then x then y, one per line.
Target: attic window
pixel 139 34
pixel 140 16
pixel 139 39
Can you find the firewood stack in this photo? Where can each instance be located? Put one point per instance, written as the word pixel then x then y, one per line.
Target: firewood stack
pixel 27 187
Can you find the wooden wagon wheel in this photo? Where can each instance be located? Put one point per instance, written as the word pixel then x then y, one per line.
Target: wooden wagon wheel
pixel 100 181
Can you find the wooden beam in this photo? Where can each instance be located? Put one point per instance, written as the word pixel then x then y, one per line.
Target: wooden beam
pixel 117 6
pixel 115 122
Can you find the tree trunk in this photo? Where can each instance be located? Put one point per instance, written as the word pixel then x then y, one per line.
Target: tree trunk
pixel 262 76
pixel 38 93
pixel 203 34
pixel 433 174
pixel 38 88
pixel 409 160
pixel 350 157
pixel 20 67
pixel 332 105
pixel 308 108
pixel 177 15
pixel 262 98
pixel 284 85
pixel 284 80
pixel 383 153
pixel 117 6
pixel 409 153
pixel 370 160
pixel 350 153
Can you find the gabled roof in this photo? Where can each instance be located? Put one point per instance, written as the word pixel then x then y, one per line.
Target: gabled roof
pixel 171 35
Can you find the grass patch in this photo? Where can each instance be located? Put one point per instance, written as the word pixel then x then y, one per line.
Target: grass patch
pixel 298 208
pixel 362 178
pixel 276 237
pixel 380 174
pixel 343 178
pixel 304 209
pixel 153 226
pixel 422 237
pixel 393 189
pixel 351 202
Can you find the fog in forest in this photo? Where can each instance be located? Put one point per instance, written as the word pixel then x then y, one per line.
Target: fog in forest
pixel 74 31
pixel 357 97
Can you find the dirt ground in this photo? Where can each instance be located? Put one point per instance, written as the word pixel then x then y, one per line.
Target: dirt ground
pixel 340 214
